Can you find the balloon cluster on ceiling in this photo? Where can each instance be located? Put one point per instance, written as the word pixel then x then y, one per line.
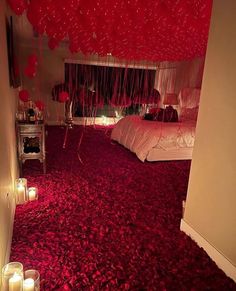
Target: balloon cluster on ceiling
pixel 154 30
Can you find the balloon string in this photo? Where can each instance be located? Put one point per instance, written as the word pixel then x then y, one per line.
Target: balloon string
pixel 65 137
pixel 78 147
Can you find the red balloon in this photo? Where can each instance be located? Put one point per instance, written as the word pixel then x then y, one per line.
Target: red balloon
pixel 18 6
pixel 52 43
pixel 73 47
pixel 24 95
pixel 40 28
pixel 30 71
pixel 40 105
pixel 32 60
pixel 63 96
pixel 108 28
pixel 51 29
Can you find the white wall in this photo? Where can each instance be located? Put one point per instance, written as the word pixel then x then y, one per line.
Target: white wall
pixel 50 71
pixel 211 200
pixel 8 164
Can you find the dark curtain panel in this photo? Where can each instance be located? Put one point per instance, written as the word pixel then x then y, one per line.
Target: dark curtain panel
pixel 100 89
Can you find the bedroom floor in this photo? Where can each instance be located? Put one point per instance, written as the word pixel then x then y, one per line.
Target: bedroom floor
pixel 110 222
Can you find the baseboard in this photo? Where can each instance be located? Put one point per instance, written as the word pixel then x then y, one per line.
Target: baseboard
pixel 222 262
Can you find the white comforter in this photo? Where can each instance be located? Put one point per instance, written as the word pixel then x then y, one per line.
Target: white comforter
pixel 140 136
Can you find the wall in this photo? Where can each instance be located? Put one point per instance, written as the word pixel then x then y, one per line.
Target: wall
pixel 8 164
pixel 50 71
pixel 211 200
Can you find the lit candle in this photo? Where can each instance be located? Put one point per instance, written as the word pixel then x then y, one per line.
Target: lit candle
pixel 21 181
pixel 21 186
pixel 15 283
pixel 20 116
pixel 12 274
pixel 32 280
pixel 28 284
pixel 32 193
pixel 21 193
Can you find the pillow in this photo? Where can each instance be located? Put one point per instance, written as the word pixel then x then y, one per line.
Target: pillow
pixel 188 114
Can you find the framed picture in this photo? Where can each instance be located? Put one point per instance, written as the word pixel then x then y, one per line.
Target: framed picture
pixel 14 73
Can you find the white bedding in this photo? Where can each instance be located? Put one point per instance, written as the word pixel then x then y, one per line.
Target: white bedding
pixel 144 137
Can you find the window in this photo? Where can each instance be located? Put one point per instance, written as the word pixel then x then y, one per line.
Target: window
pixel 100 90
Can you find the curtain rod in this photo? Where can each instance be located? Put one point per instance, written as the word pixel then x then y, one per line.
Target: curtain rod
pixel 117 64
pixel 111 64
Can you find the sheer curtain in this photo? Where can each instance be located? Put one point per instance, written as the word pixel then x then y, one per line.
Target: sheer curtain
pixel 166 80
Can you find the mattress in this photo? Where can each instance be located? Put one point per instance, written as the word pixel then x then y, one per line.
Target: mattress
pixel 171 155
pixel 153 140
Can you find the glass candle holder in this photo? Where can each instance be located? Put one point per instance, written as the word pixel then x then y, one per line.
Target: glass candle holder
pixel 21 190
pixel 12 277
pixel 32 194
pixel 32 280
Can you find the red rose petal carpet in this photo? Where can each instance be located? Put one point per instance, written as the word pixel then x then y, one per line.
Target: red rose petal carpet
pixel 109 223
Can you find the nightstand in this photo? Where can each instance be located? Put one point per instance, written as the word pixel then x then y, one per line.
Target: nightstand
pixel 31 143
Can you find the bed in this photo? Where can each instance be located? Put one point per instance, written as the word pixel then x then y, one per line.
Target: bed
pixel 155 141
pixel 161 141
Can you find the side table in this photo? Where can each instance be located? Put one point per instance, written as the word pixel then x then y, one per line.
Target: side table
pixel 31 143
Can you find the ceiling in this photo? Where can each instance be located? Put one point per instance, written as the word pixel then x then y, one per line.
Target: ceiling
pixel 153 30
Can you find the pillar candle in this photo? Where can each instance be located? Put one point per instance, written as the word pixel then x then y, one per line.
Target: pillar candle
pixel 28 284
pixel 20 116
pixel 21 186
pixel 15 283
pixel 32 193
pixel 21 193
pixel 12 275
pixel 32 280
